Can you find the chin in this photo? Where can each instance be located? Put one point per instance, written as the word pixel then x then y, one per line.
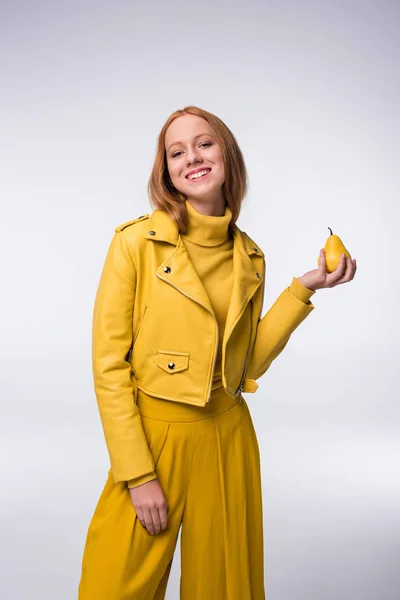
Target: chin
pixel 205 196
pixel 206 190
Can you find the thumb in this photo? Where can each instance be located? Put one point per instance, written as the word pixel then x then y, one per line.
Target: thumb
pixel 322 261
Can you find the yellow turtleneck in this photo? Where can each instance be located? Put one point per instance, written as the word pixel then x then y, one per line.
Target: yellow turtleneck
pixel 210 249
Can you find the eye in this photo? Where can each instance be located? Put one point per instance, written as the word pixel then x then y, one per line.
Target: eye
pixel 175 154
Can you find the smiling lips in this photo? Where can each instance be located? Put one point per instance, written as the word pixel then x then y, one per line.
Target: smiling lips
pixel 199 175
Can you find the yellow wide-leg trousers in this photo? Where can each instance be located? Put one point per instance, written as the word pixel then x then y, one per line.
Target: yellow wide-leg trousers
pixel 208 464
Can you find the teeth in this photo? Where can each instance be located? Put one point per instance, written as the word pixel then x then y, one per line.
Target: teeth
pixel 197 175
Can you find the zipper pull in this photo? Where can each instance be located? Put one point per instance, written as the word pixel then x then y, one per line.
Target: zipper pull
pixel 249 385
pixel 240 393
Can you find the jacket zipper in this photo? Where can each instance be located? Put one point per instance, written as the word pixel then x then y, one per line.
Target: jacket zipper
pixel 240 388
pixel 214 359
pixel 216 329
pixel 140 325
pixel 128 357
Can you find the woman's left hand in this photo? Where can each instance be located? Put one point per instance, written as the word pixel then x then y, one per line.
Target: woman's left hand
pixel 319 278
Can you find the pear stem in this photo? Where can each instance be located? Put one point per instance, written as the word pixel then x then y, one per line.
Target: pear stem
pixel 330 230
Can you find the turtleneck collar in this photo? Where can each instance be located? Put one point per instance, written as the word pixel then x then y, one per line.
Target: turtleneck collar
pixel 206 230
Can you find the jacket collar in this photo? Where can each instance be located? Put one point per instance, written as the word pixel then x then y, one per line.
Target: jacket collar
pixel 164 229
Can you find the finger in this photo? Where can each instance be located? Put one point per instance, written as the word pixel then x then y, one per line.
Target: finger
pixel 148 519
pixel 350 272
pixel 155 515
pixel 163 510
pixel 139 513
pixel 322 261
pixel 349 269
pixel 333 278
pixel 352 267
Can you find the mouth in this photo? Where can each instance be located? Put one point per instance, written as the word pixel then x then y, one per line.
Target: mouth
pixel 199 175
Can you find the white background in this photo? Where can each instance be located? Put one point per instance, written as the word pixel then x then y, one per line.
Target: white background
pixel 311 92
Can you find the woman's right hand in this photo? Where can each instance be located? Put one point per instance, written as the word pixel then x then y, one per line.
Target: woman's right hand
pixel 150 505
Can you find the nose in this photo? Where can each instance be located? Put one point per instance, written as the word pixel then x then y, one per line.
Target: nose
pixel 193 155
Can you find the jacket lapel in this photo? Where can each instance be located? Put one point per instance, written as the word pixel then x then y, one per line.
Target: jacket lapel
pixel 183 276
pixel 246 280
pixel 177 269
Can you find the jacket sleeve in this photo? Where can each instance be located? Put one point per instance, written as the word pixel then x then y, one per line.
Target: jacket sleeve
pixel 132 483
pixel 277 325
pixel 115 386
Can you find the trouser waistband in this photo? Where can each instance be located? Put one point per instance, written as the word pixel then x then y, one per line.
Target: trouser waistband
pixel 168 410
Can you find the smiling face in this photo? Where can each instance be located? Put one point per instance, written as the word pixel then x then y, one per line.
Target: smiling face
pixel 195 162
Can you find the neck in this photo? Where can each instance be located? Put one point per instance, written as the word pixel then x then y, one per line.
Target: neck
pixel 207 230
pixel 211 209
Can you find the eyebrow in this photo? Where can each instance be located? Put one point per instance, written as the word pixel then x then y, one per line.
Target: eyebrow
pixel 195 137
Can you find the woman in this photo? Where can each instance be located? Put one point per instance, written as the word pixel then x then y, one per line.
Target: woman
pixel 177 337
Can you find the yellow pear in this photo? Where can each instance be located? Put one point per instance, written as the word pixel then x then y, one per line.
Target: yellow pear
pixel 334 248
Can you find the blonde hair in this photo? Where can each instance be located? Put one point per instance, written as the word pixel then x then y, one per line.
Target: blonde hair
pixel 164 195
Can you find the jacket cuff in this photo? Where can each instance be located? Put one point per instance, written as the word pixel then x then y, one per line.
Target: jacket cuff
pixel 300 291
pixel 142 479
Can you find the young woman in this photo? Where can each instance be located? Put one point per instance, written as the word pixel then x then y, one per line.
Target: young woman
pixel 177 337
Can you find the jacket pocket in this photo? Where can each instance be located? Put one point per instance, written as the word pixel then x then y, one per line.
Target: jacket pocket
pixel 172 362
pixel 156 433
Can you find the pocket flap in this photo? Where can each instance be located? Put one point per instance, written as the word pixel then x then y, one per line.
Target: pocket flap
pixel 172 362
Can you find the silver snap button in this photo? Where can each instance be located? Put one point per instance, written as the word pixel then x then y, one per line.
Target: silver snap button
pixel 171 365
pixel 255 249
pixel 167 269
pixel 152 232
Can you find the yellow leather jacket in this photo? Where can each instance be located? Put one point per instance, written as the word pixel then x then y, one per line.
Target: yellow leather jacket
pixel 154 329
